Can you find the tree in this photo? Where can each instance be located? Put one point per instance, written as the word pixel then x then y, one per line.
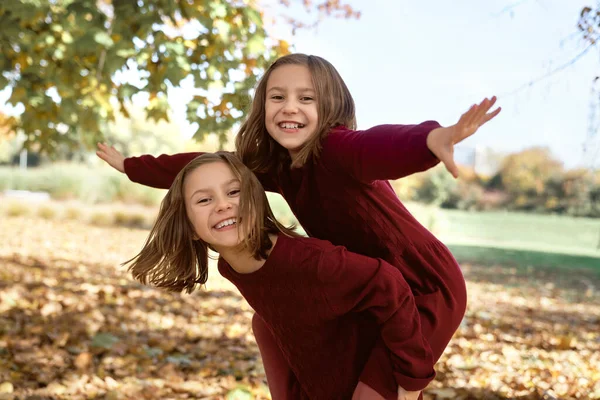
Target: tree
pixel 136 135
pixel 527 171
pixel 67 60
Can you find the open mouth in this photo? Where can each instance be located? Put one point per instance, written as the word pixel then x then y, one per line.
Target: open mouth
pixel 291 125
pixel 228 223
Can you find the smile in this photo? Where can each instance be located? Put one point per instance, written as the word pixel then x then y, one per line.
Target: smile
pixel 226 223
pixel 291 125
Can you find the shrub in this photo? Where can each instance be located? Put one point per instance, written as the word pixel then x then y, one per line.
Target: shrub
pixel 101 218
pixel 46 212
pixel 17 209
pixel 130 219
pixel 73 213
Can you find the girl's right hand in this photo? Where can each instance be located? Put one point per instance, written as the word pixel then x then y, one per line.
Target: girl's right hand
pixel 441 140
pixel 112 156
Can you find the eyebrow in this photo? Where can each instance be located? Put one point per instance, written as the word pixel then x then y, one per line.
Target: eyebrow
pixel 280 89
pixel 229 182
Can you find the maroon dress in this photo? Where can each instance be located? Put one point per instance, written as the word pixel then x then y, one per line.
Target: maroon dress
pixel 345 198
pixel 309 294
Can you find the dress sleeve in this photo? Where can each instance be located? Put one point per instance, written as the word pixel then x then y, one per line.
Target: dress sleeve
pixel 383 152
pixel 355 283
pixel 160 172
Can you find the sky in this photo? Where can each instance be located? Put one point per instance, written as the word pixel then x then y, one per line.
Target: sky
pixel 409 61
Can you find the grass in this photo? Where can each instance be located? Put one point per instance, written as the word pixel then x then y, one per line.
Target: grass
pixel 522 259
pixel 558 234
pixel 506 238
pixel 530 239
pixel 68 181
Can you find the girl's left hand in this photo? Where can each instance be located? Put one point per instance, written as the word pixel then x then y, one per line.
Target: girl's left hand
pixel 406 395
pixel 441 141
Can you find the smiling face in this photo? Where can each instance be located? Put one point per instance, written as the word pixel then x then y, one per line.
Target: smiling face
pixel 291 115
pixel 212 196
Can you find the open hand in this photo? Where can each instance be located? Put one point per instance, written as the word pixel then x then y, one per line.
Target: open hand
pixel 406 395
pixel 112 156
pixel 441 141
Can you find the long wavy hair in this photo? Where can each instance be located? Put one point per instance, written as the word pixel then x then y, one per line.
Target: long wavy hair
pixel 174 258
pixel 335 107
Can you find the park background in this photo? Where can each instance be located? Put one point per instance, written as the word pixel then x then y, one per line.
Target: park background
pixel 522 219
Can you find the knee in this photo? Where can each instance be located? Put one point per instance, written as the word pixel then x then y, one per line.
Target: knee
pixel 365 392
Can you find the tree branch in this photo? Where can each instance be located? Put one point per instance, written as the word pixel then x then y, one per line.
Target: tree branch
pixel 548 74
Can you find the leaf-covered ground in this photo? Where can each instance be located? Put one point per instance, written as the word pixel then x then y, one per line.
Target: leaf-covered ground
pixel 73 325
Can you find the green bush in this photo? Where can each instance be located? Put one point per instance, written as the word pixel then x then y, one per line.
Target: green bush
pixel 46 212
pixel 73 213
pixel 17 209
pixel 131 219
pixel 101 218
pixel 76 181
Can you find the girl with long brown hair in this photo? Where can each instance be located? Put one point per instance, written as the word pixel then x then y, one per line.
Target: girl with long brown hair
pixel 319 302
pixel 301 141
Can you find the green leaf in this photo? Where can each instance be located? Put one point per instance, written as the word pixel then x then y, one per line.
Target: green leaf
pixel 240 393
pixel 59 54
pixel 153 351
pixel 104 340
pixel 256 44
pixel 103 39
pixel 126 53
pixel 179 359
pixel 223 28
pixel 218 10
pixel 67 38
pixel 253 15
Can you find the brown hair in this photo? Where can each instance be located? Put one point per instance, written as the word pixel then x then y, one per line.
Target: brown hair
pixel 173 258
pixel 335 106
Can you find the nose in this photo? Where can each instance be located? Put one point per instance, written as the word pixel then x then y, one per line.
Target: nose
pixel 290 107
pixel 223 204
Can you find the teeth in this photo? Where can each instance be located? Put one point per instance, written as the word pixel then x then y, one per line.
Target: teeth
pixel 225 223
pixel 290 125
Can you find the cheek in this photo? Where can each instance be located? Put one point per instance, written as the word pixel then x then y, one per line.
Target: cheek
pixel 269 113
pixel 199 224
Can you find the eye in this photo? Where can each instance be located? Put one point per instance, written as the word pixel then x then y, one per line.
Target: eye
pixel 203 200
pixel 277 97
pixel 306 98
pixel 234 192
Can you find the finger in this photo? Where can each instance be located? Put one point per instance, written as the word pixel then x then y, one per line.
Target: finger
pixel 102 155
pixel 467 117
pixel 451 166
pixel 482 109
pixel 491 115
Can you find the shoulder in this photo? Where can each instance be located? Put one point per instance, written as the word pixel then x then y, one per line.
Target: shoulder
pixel 337 136
pixel 302 245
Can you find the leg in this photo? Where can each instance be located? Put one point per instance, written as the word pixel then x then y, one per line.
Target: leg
pixel 280 378
pixel 440 318
pixel 364 392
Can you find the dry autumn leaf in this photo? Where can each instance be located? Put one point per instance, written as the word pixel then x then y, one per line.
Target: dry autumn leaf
pixel 75 325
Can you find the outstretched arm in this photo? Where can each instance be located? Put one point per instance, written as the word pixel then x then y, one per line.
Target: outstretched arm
pixel 395 151
pixel 158 172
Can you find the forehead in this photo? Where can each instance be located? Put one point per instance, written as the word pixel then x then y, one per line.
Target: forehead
pixel 208 176
pixel 290 75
